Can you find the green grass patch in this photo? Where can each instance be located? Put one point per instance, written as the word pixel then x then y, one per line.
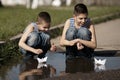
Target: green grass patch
pixel 9 50
pixel 13 20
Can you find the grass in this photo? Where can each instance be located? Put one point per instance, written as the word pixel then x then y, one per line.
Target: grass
pixel 8 50
pixel 13 20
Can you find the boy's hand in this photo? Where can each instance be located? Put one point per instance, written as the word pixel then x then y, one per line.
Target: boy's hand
pixel 38 51
pixel 53 47
pixel 73 42
pixel 79 46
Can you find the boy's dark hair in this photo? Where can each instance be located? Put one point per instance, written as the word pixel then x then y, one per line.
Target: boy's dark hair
pixel 80 8
pixel 45 16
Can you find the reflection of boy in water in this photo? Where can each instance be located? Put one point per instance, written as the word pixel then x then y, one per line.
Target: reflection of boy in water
pixel 79 65
pixel 29 70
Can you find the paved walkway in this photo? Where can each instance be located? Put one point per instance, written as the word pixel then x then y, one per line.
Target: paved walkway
pixel 107 34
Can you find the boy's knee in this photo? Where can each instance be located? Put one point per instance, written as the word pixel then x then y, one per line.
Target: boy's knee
pixel 45 39
pixel 33 34
pixel 84 33
pixel 45 36
pixel 32 38
pixel 70 34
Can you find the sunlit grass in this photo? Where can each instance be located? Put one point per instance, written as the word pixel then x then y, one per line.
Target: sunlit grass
pixel 102 10
pixel 14 19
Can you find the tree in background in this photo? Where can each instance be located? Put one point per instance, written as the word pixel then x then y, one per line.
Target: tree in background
pixel 1 4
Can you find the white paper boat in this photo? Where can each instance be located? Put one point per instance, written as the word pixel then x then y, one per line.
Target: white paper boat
pixel 99 67
pixel 42 60
pixel 41 65
pixel 99 61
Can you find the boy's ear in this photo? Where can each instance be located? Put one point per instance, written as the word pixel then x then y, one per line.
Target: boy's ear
pixel 73 15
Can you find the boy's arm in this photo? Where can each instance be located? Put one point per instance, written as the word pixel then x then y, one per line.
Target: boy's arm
pixel 24 38
pixel 63 41
pixel 92 43
pixel 23 75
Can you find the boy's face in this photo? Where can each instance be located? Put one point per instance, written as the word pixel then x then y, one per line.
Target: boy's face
pixel 43 26
pixel 80 19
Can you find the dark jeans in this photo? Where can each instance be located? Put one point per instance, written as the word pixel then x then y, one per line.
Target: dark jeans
pixel 82 33
pixel 37 40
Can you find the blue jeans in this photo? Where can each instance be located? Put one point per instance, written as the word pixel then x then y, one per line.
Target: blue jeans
pixel 81 33
pixel 37 40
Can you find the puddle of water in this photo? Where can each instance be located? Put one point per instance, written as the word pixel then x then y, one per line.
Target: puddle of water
pixel 111 63
pixel 57 65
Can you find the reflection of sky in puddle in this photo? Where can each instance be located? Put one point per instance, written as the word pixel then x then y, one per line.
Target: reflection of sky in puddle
pixel 58 62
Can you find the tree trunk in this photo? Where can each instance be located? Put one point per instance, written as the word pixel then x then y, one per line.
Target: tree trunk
pixel 1 4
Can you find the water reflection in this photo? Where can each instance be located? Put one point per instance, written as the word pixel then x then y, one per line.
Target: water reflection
pixel 30 69
pixel 56 65
pixel 80 64
pixel 99 64
pixel 100 67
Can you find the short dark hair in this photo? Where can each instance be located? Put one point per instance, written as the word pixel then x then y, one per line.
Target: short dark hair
pixel 45 16
pixel 80 8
